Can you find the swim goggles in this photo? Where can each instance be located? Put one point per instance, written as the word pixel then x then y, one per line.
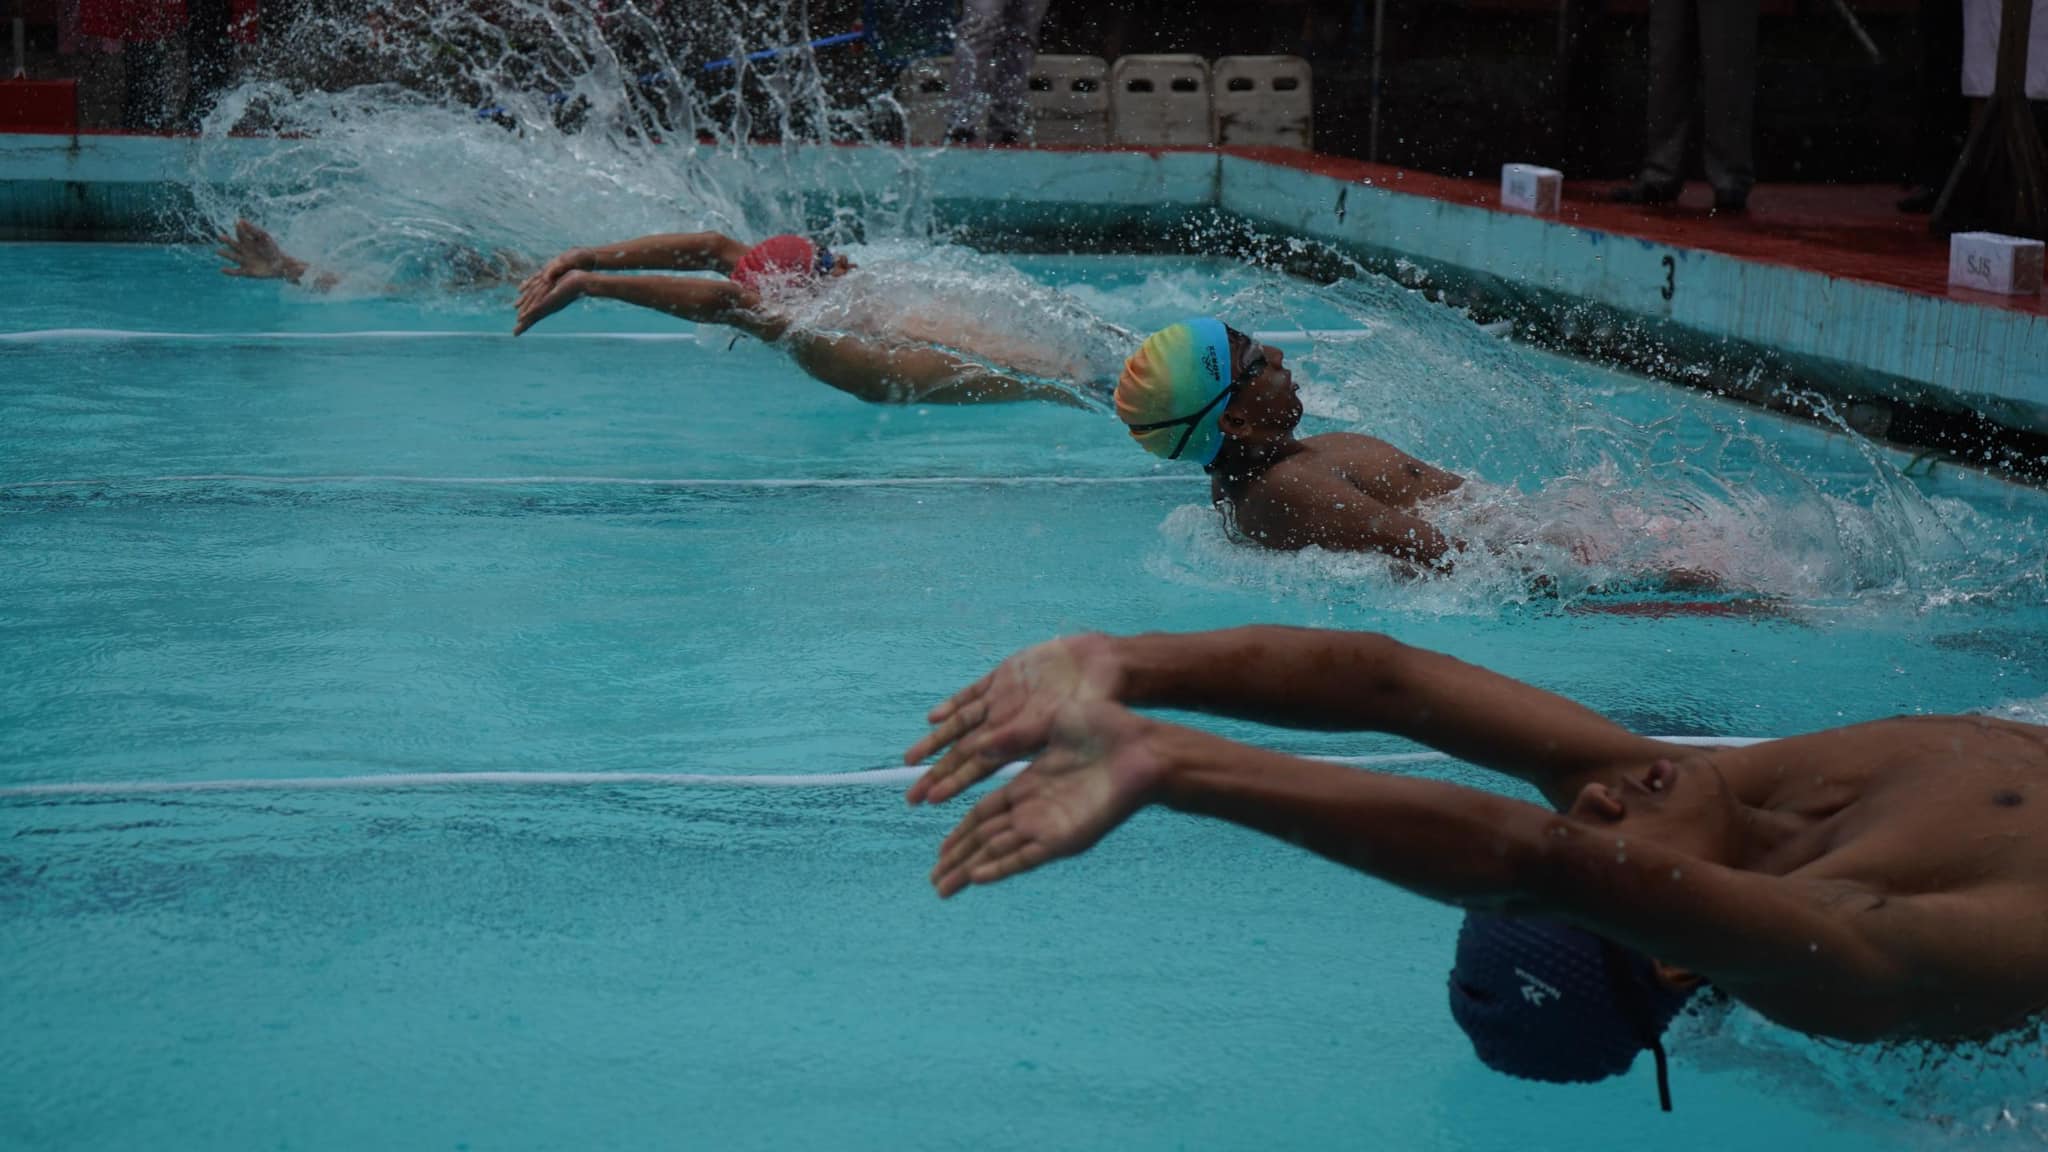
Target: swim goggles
pixel 826 261
pixel 1252 367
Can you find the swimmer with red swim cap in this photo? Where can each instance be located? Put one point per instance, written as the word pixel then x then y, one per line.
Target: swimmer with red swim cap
pixel 750 296
pixel 757 282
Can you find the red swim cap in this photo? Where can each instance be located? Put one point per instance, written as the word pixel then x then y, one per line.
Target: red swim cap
pixel 778 257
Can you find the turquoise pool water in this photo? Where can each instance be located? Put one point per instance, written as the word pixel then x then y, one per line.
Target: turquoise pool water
pixel 248 533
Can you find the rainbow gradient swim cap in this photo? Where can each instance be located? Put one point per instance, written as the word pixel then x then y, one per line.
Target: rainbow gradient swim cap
pixel 1174 388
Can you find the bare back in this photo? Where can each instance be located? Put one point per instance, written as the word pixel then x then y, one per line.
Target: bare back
pixel 1344 492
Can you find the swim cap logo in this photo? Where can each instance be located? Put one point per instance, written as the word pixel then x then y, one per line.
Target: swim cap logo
pixel 1210 366
pixel 1535 991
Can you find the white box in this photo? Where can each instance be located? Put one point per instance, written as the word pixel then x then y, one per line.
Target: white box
pixel 1989 262
pixel 1528 188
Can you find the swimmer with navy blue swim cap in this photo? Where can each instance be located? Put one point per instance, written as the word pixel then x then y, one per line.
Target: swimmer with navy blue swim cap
pixel 1545 1001
pixel 1884 881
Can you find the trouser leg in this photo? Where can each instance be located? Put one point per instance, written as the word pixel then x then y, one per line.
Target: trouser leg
pixel 1674 70
pixel 1728 79
pixel 974 42
pixel 1016 50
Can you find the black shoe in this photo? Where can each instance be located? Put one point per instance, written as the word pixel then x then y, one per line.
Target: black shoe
pixel 1006 136
pixel 961 136
pixel 1726 201
pixel 1920 201
pixel 1645 192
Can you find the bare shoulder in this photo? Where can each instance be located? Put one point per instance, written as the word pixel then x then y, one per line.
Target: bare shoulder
pixel 1855 752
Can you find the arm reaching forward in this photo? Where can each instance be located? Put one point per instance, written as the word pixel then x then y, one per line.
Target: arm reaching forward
pixel 672 252
pixel 1796 953
pixel 1291 677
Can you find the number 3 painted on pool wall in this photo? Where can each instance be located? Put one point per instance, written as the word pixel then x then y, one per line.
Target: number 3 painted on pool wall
pixel 1670 277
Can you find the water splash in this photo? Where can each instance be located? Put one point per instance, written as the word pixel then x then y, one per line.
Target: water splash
pixel 1988 1095
pixel 598 124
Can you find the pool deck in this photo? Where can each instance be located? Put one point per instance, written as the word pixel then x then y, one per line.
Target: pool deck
pixel 1827 289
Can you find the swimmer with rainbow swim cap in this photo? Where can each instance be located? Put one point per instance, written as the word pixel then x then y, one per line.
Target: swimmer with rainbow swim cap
pixel 1840 883
pixel 1204 393
pixel 752 296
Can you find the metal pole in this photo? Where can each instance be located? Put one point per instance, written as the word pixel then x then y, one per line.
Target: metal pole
pixel 20 44
pixel 1856 28
pixel 1379 24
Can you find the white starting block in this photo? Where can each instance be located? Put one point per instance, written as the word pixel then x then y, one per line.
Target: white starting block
pixel 1990 262
pixel 926 93
pixel 1160 101
pixel 1529 188
pixel 1263 100
pixel 1069 100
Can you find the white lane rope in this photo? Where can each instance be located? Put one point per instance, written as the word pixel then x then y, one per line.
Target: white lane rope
pixel 135 335
pixel 258 479
pixel 411 780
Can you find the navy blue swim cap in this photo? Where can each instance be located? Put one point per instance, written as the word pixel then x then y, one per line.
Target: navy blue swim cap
pixel 1545 1001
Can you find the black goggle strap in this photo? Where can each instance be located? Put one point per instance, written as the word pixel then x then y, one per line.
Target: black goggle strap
pixel 1252 368
pixel 1632 1002
pixel 1193 422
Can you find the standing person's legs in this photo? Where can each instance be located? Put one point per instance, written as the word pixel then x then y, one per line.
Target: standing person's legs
pixel 1016 50
pixel 1674 74
pixel 1728 75
pixel 974 41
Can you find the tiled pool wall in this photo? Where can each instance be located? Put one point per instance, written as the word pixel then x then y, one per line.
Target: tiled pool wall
pixel 1963 375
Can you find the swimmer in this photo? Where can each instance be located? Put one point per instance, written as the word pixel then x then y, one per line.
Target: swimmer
pixel 1208 394
pixel 907 367
pixel 254 254
pixel 749 296
pixel 1883 881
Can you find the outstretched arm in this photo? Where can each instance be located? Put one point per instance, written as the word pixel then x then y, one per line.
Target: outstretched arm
pixel 672 252
pixel 1290 677
pixel 1764 939
pixel 254 254
pixel 697 299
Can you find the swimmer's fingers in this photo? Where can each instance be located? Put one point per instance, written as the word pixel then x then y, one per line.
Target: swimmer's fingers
pixel 987 835
pixel 950 721
pixel 961 699
pixel 957 769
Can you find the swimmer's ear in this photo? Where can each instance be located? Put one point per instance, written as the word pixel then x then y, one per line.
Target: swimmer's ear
pixel 1675 978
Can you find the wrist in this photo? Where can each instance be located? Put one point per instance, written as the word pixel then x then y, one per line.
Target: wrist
pixel 584 259
pixel 1143 669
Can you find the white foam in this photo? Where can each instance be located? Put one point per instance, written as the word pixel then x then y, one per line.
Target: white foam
pixel 409 780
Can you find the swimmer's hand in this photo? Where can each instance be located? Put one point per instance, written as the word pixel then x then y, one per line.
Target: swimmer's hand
pixel 542 282
pixel 1008 714
pixel 537 307
pixel 253 253
pixel 1100 764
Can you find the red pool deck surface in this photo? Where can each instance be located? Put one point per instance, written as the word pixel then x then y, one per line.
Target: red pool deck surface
pixel 1853 231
